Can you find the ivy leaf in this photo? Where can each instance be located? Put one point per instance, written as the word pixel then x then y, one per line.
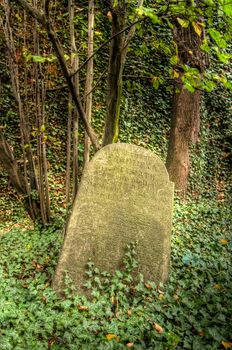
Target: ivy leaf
pixel 174 60
pixel 205 47
pixel 186 259
pixel 155 82
pixel 223 56
pixel 227 8
pixel 183 22
pixel 197 26
pixel 216 36
pixel 188 86
pixel 175 74
pixel 38 59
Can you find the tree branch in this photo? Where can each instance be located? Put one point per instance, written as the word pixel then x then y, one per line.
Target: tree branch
pixel 44 21
pixel 106 42
pixel 40 17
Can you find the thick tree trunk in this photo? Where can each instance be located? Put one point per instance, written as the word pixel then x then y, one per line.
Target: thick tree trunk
pixel 185 121
pixel 184 131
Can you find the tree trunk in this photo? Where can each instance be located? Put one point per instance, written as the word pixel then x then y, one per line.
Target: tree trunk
pixel 45 22
pixel 115 69
pixel 30 186
pixel 185 119
pixel 184 131
pixel 73 115
pixel 89 77
pixel 118 51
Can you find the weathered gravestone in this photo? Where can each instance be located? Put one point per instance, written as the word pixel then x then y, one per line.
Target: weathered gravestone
pixel 125 195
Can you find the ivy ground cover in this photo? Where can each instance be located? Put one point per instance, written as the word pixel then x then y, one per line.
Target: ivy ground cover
pixel 193 311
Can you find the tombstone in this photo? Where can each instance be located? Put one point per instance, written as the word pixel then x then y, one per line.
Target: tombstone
pixel 125 195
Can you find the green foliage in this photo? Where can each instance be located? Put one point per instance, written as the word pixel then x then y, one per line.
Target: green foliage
pixel 193 311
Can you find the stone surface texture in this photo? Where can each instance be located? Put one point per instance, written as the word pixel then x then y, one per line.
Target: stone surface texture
pixel 125 195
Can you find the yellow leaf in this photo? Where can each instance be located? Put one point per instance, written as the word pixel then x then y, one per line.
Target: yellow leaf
pixel 111 336
pixel 190 52
pixel 42 129
pixel 158 328
pixel 175 296
pixel 183 22
pixel 197 26
pixel 217 286
pixel 227 344
pixel 223 241
pixel 175 74
pixel 109 15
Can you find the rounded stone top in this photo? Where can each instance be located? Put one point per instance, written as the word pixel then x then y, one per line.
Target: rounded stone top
pixel 122 153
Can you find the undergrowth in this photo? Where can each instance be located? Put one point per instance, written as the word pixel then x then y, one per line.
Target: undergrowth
pixel 193 311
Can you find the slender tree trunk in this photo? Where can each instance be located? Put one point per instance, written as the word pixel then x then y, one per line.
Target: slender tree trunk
pixel 30 180
pixel 73 115
pixel 45 22
pixel 118 51
pixel 89 77
pixel 39 102
pixel 115 69
pixel 185 120
pixel 75 132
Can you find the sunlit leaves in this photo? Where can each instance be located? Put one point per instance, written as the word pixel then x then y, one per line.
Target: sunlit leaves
pixel 227 7
pixel 198 27
pixel 227 344
pixel 183 22
pixel 174 60
pixel 217 37
pixel 150 13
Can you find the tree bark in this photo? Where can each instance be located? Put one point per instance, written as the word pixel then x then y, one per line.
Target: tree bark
pixel 185 119
pixel 118 51
pixel 46 24
pixel 30 179
pixel 184 131
pixel 89 77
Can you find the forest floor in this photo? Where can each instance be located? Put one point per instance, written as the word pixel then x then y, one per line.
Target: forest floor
pixel 192 311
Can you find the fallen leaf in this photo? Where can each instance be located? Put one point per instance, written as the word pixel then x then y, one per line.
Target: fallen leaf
pixel 130 345
pixel 217 286
pixel 223 241
pixel 227 344
pixel 158 328
pixel 111 336
pixel 82 308
pixel 147 285
pixel 176 297
pixel 201 333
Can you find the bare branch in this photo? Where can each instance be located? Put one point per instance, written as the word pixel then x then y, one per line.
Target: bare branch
pixel 40 17
pixel 107 42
